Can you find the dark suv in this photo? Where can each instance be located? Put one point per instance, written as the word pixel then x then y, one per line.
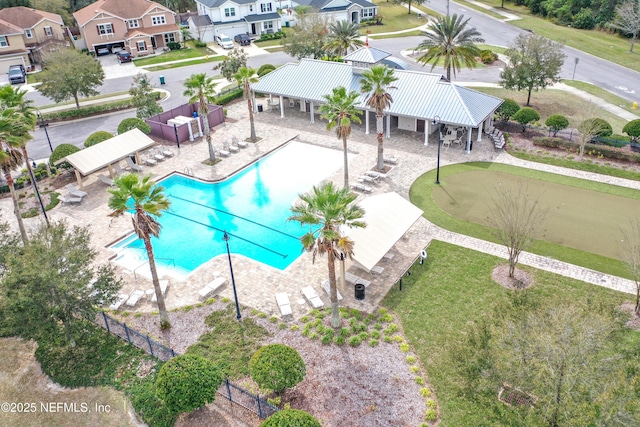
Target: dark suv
pixel 242 39
pixel 123 56
pixel 17 74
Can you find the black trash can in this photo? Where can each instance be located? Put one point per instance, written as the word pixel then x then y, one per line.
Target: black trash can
pixel 359 289
pixel 259 108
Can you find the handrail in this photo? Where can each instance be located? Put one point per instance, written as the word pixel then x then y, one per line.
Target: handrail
pixel 172 260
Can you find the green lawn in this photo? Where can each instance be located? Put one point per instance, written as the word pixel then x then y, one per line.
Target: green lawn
pixel 185 63
pixel 453 290
pixel 421 194
pixel 603 94
pixel 174 55
pixel 395 18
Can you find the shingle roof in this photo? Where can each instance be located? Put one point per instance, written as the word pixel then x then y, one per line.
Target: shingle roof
pixel 364 3
pixel 24 17
pixel 7 29
pixel 201 20
pixel 125 9
pixel 367 54
pixel 262 17
pixel 218 3
pixel 415 94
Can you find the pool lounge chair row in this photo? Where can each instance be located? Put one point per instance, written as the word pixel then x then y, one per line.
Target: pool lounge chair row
pixel 212 288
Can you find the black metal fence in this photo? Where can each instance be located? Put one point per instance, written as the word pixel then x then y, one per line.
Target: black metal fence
pixel 134 337
pixel 247 399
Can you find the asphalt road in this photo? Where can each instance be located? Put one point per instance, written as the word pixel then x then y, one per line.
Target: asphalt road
pixel 617 79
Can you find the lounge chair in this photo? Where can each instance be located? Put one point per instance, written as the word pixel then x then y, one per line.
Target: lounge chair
pixel 105 180
pixel 119 301
pixel 156 154
pixel 70 199
pixel 375 174
pixel 164 287
pixel 212 287
pixel 118 169
pixel 388 256
pixel 134 298
pixel 391 160
pixel 362 187
pixel 149 161
pixel 73 191
pixel 367 178
pixel 282 299
pixel 223 152
pixel 377 269
pixel 167 153
pixel 232 148
pixel 241 144
pixel 133 166
pixel 327 289
pixel 312 297
pixel 352 278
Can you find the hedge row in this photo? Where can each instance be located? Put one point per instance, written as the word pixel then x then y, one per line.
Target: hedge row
pixel 94 110
pixel 228 97
pixel 591 149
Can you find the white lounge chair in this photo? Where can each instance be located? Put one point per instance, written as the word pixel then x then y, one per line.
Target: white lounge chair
pixel 70 199
pixel 119 301
pixel 75 192
pixel 134 298
pixel 133 166
pixel 282 299
pixel 367 178
pixel 212 287
pixel 156 154
pixel 232 148
pixel 390 160
pixel 375 174
pixel 389 256
pixel 241 144
pixel 105 180
pixel 167 153
pixel 164 287
pixel 362 187
pixel 312 297
pixel 223 152
pixel 327 289
pixel 149 161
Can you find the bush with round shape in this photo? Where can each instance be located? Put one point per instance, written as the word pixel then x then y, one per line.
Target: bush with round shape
pixel 265 69
pixel 600 127
pixel 61 151
pixel 487 56
pixel 291 418
pixel 276 367
pixel 132 123
pixel 97 137
pixel 633 130
pixel 526 115
pixel 556 123
pixel 188 382
pixel 507 109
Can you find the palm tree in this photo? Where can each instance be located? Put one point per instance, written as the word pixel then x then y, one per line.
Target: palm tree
pixel 375 82
pixel 14 134
pixel 245 76
pixel 200 88
pixel 325 209
pixel 149 201
pixel 343 35
pixel 340 110
pixel 449 39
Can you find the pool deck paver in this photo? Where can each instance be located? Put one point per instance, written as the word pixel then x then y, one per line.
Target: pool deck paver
pixel 257 283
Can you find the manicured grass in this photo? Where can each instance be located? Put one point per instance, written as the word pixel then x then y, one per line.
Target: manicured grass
pixel 395 18
pixel 551 101
pixel 482 9
pixel 175 55
pixel 496 49
pixel 421 195
pixel 393 36
pixel 453 290
pixel 185 63
pixel 603 94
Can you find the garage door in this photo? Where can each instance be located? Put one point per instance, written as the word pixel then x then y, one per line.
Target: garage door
pixel 5 63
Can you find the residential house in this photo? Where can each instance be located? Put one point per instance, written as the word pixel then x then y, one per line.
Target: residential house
pixel 25 34
pixel 340 10
pixel 138 26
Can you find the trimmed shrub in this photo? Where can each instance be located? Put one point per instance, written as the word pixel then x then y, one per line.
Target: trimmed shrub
pixel 276 367
pixel 603 126
pixel 556 123
pixel 198 43
pixel 97 137
pixel 265 69
pixel 633 130
pixel 228 97
pixel 291 418
pixel 62 150
pixel 526 115
pixel 174 46
pixel 188 382
pixel 597 150
pixel 487 56
pixel 507 109
pixel 133 123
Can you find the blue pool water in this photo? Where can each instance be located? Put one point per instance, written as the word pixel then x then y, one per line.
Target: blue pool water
pixel 252 206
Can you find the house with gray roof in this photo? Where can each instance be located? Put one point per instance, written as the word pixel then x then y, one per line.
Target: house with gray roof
pixel 418 97
pixel 341 10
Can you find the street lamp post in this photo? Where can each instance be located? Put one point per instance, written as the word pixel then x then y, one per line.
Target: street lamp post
pixel 436 121
pixel 225 237
pixel 35 187
pixel 43 124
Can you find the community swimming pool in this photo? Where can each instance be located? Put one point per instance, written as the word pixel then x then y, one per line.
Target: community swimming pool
pixel 252 206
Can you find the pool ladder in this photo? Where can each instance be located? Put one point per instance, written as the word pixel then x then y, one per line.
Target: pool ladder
pixel 188 171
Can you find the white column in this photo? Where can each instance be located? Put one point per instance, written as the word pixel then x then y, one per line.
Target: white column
pixel 253 103
pixel 480 132
pixel 468 150
pixel 200 127
pixel 311 112
pixel 388 126
pixel 366 121
pixel 427 130
pixel 281 107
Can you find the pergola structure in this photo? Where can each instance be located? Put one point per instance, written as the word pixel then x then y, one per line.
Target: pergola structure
pixel 108 152
pixel 418 97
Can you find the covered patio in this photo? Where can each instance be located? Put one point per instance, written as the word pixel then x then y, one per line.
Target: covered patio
pixel 107 153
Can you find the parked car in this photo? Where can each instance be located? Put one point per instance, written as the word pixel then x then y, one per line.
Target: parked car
pixel 242 39
pixel 17 74
pixel 224 41
pixel 123 56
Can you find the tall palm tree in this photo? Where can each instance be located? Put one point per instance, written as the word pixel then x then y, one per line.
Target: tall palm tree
pixel 14 134
pixel 200 88
pixel 343 35
pixel 149 201
pixel 450 39
pixel 325 209
pixel 375 82
pixel 245 76
pixel 340 110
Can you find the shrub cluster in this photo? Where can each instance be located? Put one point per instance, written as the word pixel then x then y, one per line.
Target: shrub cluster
pixel 598 150
pixel 275 36
pixel 97 137
pixel 132 123
pixel 265 69
pixel 228 97
pixel 289 418
pixel 198 43
pixel 62 150
pixel 93 110
pixel 174 46
pixel 487 56
pixel 276 367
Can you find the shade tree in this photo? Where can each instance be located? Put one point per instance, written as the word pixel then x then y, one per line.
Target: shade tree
pixel 201 89
pixel 507 109
pixel 526 116
pixel 144 97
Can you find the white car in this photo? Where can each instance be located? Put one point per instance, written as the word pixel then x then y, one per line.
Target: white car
pixel 224 41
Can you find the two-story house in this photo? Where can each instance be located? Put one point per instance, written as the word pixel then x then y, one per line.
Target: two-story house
pixel 25 33
pixel 139 26
pixel 340 10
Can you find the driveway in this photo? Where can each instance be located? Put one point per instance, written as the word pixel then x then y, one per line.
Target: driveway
pixel 113 69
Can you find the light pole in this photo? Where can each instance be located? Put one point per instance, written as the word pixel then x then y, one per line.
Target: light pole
pixel 43 124
pixel 436 121
pixel 447 7
pixel 225 237
pixel 35 187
